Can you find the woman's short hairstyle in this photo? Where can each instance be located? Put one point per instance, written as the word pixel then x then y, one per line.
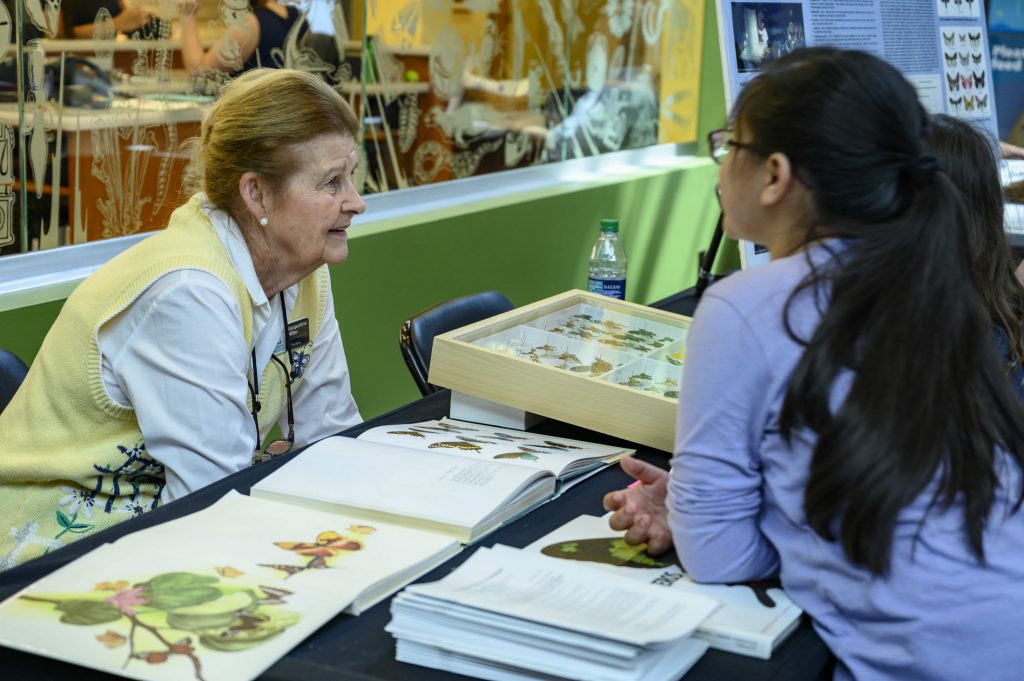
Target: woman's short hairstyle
pixel 254 127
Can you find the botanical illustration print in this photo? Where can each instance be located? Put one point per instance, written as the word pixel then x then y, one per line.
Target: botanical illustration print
pixel 174 618
pixel 616 552
pixel 322 551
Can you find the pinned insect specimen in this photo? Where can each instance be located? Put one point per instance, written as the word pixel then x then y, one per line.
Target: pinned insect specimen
pixel 979 80
pixel 517 455
pixel 411 433
pixel 975 39
pixel 465 447
pixel 954 82
pixel 969 103
pixel 976 58
pixel 948 39
pixel 982 102
pixel 964 58
pixel 950 59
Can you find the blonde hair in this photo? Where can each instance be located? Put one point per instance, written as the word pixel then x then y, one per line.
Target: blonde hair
pixel 253 127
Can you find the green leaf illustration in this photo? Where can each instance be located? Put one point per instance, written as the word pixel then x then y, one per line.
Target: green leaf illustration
pixel 88 612
pixel 63 520
pixel 260 628
pixel 173 590
pixel 79 528
pixel 214 614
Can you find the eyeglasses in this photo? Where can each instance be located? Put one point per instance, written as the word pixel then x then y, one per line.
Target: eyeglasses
pixel 720 143
pixel 281 445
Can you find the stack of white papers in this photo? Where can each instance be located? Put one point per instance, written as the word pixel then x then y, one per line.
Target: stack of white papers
pixel 510 614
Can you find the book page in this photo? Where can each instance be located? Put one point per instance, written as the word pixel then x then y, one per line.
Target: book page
pixel 754 616
pixel 402 483
pixel 572 596
pixel 219 594
pixel 562 456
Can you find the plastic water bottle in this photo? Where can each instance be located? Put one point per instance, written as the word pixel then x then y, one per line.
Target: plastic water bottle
pixel 608 263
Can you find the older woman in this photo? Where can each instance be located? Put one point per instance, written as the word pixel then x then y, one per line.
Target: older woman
pixel 167 367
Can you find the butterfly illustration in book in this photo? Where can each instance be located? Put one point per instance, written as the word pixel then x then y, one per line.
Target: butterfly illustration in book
pixel 982 103
pixel 968 102
pixel 320 551
pixel 964 58
pixel 949 39
pixel 950 59
pixel 979 80
pixel 963 37
pixel 958 3
pixel 966 81
pixel 976 58
pixel 975 39
pixel 955 103
pixel 173 619
pixel 970 5
pixel 954 82
pixel 616 552
pixel 945 4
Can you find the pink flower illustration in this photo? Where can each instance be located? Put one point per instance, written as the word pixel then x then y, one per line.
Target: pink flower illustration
pixel 127 599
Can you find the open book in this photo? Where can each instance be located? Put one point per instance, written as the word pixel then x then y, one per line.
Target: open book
pixel 509 614
pixel 457 479
pixel 754 619
pixel 219 594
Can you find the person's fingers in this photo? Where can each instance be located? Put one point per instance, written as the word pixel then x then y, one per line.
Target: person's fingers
pixel 613 501
pixel 642 471
pixel 658 541
pixel 637 532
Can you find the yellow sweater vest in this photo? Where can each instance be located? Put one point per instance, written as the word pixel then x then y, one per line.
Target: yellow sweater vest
pixel 72 462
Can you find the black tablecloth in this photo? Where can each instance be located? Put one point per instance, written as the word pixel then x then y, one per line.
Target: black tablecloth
pixel 357 647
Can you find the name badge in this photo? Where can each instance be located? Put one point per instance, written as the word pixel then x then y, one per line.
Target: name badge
pixel 298 333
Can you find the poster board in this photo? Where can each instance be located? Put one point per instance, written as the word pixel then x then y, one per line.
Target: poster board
pixel 941 46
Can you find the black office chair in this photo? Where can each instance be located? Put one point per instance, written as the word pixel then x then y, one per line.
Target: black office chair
pixel 417 335
pixel 12 373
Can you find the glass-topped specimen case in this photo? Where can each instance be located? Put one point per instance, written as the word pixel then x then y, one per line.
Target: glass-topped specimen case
pixel 596 362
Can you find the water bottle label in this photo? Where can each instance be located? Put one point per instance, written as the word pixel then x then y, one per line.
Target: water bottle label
pixel 613 288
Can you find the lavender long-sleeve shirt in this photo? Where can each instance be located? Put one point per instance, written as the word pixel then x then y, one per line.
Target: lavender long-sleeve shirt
pixel 736 509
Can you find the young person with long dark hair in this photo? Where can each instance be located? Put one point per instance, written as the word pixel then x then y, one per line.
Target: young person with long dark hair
pixel 969 159
pixel 845 421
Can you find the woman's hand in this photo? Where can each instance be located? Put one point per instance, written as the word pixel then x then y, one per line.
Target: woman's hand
pixel 131 19
pixel 1010 151
pixel 187 8
pixel 640 509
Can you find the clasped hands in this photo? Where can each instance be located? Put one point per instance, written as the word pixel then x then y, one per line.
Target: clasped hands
pixel 640 509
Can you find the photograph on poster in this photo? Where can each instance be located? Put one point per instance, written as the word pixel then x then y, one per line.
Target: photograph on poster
pixel 958 8
pixel 765 31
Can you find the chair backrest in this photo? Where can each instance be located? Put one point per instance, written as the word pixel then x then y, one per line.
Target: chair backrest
pixel 417 335
pixel 12 373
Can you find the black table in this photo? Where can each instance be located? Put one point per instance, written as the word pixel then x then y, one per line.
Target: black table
pixel 357 648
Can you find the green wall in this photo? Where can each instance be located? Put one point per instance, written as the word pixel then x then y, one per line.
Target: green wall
pixel 528 251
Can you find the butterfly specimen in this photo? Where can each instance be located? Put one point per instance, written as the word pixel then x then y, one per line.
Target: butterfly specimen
pixel 950 59
pixel 982 102
pixel 954 82
pixel 975 39
pixel 976 58
pixel 969 103
pixel 963 37
pixel 979 80
pixel 955 103
pixel 970 4
pixel 945 4
pixel 948 39
pixel 966 80
pixel 964 58
pixel 958 2
pixel 464 446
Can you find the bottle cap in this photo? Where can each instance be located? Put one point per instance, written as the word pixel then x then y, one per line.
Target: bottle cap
pixel 609 225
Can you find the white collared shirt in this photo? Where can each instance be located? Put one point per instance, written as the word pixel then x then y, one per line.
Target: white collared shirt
pixel 177 356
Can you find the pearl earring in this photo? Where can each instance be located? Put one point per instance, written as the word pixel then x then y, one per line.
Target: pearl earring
pixel 264 221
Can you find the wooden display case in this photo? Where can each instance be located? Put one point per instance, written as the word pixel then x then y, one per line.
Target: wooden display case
pixel 592 361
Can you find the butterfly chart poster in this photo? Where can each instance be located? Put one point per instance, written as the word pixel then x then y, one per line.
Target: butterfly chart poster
pixel 941 46
pixel 219 594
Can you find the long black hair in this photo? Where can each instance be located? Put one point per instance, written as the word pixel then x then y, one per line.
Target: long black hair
pixel 929 400
pixel 968 155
